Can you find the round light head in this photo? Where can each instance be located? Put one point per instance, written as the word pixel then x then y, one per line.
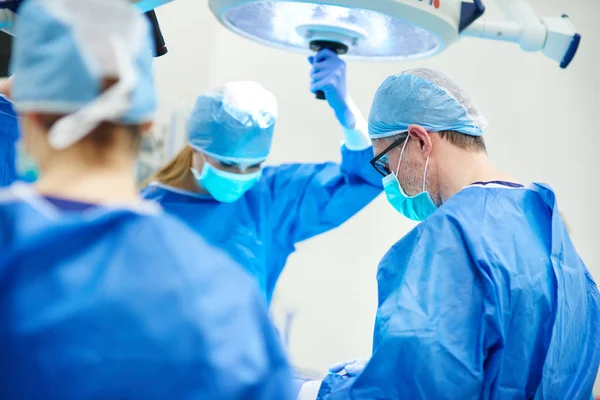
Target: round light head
pixel 372 29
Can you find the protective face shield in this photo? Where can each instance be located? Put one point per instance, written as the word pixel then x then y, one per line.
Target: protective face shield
pixel 224 186
pixel 416 207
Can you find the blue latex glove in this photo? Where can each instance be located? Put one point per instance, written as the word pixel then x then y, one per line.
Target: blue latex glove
pixel 350 367
pixel 328 74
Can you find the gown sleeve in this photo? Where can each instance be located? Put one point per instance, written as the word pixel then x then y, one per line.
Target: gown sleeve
pixel 310 199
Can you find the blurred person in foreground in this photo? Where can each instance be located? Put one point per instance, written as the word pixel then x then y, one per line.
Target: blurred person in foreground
pixel 87 308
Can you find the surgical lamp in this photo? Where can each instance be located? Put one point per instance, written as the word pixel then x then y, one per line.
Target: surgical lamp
pixel 392 30
pixel 9 12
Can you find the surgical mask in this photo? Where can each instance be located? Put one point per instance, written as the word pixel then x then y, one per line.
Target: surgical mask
pixel 225 187
pixel 416 207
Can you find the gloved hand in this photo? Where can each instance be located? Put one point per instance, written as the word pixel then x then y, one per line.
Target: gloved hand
pixel 328 74
pixel 350 368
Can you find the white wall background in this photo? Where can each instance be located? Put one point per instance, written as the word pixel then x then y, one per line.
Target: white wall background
pixel 543 127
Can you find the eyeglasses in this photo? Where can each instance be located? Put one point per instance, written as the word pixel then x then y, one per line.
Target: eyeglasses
pixel 381 162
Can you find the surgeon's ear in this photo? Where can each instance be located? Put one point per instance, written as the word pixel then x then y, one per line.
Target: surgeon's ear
pixel 423 139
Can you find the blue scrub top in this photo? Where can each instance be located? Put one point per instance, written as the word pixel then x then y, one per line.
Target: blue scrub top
pixel 9 134
pixel 126 303
pixel 485 299
pixel 289 204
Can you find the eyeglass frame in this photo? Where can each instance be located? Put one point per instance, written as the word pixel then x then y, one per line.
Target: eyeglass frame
pixel 385 171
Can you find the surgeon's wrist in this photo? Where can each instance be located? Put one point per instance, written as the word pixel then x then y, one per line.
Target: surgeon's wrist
pixel 346 118
pixel 356 134
pixel 357 138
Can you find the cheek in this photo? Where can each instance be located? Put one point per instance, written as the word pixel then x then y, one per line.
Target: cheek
pixel 432 179
pixel 411 176
pixel 197 162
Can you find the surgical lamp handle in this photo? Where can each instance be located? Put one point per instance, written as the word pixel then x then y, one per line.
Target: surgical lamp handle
pixel 469 13
pixel 159 41
pixel 338 48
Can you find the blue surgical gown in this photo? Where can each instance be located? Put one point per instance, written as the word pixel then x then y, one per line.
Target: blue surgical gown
pixel 485 299
pixel 9 134
pixel 115 303
pixel 290 203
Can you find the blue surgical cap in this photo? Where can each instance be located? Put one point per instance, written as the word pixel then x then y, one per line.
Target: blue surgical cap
pixel 234 122
pixel 425 97
pixel 65 50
